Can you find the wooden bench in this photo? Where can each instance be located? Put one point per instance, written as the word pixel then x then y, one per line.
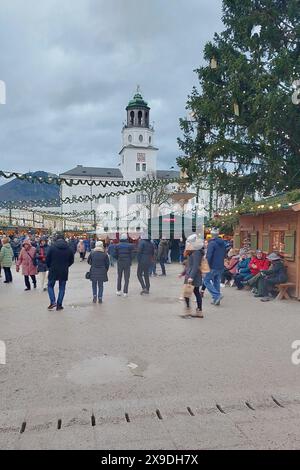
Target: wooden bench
pixel 283 290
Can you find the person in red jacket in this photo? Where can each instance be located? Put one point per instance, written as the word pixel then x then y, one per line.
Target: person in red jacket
pixel 257 264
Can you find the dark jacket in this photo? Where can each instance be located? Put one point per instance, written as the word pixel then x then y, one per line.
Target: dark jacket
pixel 59 258
pixel 73 245
pixel 243 266
pixel 16 246
pixel 111 250
pixel 163 250
pixel 216 252
pixel 193 267
pixel 145 252
pixel 277 272
pixel 99 262
pixel 41 255
pixel 124 252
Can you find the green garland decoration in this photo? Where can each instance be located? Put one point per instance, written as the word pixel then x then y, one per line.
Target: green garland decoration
pixel 72 181
pixel 139 187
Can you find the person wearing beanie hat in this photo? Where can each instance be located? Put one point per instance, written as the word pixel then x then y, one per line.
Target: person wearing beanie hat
pixel 123 255
pixel 99 262
pixel 193 243
pixel 269 278
pixel 216 253
pixel 230 267
pixel 243 272
pixel 193 276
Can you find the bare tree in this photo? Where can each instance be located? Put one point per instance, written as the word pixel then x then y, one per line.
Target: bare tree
pixel 155 197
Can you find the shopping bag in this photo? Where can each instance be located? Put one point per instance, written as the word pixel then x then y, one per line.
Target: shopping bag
pixel 188 290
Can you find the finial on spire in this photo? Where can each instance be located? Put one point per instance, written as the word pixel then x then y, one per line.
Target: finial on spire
pixel 138 89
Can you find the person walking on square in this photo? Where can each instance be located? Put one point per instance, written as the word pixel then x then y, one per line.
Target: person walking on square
pixel 41 254
pixel 81 250
pixel 145 259
pixel 215 256
pixel 111 251
pixel 59 258
pixel 16 247
pixel 152 270
pixel 99 262
pixel 27 259
pixel 6 259
pixel 123 255
pixel 195 253
pixel 163 251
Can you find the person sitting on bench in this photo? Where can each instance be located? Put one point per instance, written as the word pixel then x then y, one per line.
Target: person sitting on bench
pixel 275 275
pixel 258 264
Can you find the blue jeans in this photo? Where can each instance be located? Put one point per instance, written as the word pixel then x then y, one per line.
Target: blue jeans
pixel 61 292
pixel 98 284
pixel 152 269
pixel 212 282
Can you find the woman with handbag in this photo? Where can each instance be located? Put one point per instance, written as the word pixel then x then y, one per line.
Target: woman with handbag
pixel 99 262
pixel 193 277
pixel 27 259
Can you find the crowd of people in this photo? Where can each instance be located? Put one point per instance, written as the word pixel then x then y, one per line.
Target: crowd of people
pixel 207 265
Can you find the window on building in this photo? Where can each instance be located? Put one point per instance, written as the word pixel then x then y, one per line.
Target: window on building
pixel 144 198
pixel 138 214
pixel 130 138
pixel 144 167
pixel 132 118
pixel 138 167
pixel 138 198
pixel 140 138
pixel 277 241
pixel 140 117
pixel 150 140
pixel 107 200
pixel 123 159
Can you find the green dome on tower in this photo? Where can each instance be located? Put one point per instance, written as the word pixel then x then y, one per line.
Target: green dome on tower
pixel 137 101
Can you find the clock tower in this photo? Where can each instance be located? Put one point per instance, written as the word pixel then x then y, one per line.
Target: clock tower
pixel 138 154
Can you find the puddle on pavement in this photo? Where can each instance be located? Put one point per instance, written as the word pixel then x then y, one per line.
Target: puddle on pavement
pixel 105 369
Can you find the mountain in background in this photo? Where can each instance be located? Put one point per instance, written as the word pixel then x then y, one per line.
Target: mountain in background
pixel 17 190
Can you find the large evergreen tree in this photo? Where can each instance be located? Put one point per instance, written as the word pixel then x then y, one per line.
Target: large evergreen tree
pixel 245 134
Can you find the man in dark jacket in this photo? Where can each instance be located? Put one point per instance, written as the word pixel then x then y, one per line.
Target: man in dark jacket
pixel 215 257
pixel 123 255
pixel 16 247
pixel 145 259
pixel 59 258
pixel 269 278
pixel 162 255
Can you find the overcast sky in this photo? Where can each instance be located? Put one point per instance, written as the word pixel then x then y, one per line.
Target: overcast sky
pixel 71 66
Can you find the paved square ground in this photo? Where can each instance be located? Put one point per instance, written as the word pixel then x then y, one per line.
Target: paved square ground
pixel 132 374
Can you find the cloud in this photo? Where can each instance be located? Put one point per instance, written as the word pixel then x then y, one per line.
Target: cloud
pixel 70 68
